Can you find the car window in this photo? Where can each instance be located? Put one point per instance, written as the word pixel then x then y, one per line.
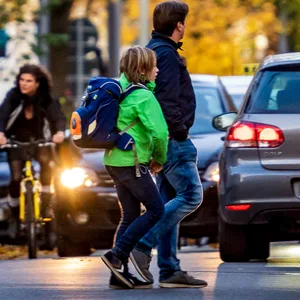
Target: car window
pixel 277 91
pixel 208 105
pixel 237 99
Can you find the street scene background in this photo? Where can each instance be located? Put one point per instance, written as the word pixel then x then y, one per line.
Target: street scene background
pixel 78 39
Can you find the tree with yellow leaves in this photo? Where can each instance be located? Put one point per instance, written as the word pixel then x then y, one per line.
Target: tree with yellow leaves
pixel 221 34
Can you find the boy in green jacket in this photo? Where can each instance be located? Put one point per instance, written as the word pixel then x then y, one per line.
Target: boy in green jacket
pixel 150 133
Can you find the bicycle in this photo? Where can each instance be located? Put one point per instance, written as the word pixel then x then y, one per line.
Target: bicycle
pixel 30 204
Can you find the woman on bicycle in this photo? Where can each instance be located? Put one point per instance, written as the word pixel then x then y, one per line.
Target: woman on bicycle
pixel 138 66
pixel 24 115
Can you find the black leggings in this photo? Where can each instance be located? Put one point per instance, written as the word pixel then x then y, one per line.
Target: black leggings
pixel 16 162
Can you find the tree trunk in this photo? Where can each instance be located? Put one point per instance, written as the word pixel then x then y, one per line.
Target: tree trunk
pixel 58 54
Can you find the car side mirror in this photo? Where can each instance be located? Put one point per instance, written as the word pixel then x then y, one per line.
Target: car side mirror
pixel 222 122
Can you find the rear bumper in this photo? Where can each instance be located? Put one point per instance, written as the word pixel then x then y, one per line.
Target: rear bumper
pixel 204 220
pixel 99 204
pixel 272 194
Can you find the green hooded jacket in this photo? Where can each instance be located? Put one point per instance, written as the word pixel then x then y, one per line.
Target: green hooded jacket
pixel 150 132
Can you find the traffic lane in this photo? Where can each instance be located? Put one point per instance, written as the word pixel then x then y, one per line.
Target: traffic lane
pixel 72 278
pixel 87 278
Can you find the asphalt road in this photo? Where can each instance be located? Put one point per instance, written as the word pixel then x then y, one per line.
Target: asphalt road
pixel 87 278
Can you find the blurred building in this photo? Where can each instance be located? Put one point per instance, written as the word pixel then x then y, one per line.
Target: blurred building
pixel 85 59
pixel 18 51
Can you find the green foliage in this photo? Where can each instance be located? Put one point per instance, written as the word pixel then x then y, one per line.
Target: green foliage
pixel 55 39
pixel 292 9
pixel 13 11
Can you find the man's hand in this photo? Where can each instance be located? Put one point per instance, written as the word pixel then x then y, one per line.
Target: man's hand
pixel 58 137
pixel 3 139
pixel 155 167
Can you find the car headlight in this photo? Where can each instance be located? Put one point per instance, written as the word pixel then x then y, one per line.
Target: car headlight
pixel 212 173
pixel 76 177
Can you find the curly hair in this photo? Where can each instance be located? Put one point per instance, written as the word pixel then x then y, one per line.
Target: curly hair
pixel 42 76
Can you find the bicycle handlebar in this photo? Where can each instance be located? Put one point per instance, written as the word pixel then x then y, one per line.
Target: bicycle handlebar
pixel 17 144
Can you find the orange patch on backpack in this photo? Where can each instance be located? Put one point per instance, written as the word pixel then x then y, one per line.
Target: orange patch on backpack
pixel 75 124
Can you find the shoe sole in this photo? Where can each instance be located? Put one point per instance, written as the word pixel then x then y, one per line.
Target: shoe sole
pixel 181 285
pixel 116 273
pixel 137 287
pixel 131 256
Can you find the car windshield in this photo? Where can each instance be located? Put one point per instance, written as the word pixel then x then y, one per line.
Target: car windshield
pixel 208 105
pixel 237 99
pixel 276 91
pixel 237 87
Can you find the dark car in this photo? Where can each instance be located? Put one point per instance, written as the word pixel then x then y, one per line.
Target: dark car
pixel 86 204
pixel 9 229
pixel 4 209
pixel 259 185
pixel 212 99
pixel 88 214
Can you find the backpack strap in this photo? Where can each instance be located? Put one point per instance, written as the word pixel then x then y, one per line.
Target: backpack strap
pixel 130 89
pixel 128 126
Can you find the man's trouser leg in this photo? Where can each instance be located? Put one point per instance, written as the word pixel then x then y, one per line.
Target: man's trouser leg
pixel 182 173
pixel 167 260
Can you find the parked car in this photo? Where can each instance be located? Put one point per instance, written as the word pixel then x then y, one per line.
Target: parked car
pixel 259 186
pixel 212 99
pixel 237 87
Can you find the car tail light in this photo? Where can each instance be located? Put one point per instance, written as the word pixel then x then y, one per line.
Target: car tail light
pixel 254 135
pixel 238 207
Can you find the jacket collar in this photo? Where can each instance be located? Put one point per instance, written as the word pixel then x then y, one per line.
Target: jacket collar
pixel 125 83
pixel 157 35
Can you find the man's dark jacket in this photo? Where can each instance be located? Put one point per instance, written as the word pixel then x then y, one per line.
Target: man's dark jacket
pixel 49 110
pixel 174 89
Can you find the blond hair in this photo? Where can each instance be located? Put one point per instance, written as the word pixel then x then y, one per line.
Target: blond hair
pixel 137 64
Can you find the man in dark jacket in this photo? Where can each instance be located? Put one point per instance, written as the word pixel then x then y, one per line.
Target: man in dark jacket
pixel 179 182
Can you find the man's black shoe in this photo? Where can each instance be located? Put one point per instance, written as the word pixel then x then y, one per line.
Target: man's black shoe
pixel 115 264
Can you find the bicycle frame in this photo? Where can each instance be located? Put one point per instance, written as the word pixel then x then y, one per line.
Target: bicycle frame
pixel 29 176
pixel 30 202
pixel 36 193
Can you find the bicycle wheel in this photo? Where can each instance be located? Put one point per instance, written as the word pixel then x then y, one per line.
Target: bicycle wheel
pixel 30 222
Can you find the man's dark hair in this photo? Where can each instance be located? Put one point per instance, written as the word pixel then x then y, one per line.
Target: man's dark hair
pixel 167 14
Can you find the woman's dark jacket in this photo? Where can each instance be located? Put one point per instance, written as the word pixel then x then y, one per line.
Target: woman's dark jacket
pixel 45 108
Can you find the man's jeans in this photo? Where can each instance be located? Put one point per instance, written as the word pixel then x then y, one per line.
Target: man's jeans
pixel 180 177
pixel 133 191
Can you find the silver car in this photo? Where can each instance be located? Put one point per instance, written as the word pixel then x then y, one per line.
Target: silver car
pixel 259 188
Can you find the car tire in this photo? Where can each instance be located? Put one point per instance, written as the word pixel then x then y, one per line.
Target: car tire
pixel 68 248
pixel 259 247
pixel 233 242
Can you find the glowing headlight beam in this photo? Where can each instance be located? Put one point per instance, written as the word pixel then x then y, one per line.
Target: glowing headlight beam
pixel 73 178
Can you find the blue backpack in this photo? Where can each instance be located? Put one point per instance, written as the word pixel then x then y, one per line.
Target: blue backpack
pixel 93 124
